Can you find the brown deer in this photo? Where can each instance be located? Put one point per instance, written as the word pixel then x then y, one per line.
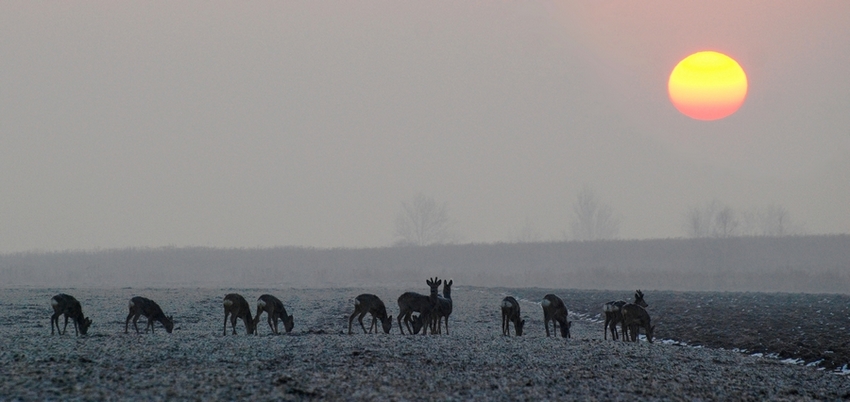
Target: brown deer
pixel 510 314
pixel 613 315
pixel 444 306
pixel 141 306
pixel 71 308
pixel 237 307
pixel 635 317
pixel 411 302
pixel 274 310
pixel 371 304
pixel 554 310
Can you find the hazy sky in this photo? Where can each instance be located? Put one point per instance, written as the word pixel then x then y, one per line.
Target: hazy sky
pixel 242 124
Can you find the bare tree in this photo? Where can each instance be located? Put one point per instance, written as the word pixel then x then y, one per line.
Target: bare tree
pixel 714 220
pixel 592 219
pixel 719 220
pixel 423 221
pixel 725 222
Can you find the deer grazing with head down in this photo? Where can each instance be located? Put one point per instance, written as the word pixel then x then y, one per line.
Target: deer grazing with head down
pixel 554 310
pixel 613 316
pixel 274 310
pixel 510 314
pixel 635 318
pixel 412 302
pixel 71 308
pixel 237 307
pixel 370 304
pixel 141 306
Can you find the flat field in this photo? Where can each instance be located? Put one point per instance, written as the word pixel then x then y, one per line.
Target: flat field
pixel 474 361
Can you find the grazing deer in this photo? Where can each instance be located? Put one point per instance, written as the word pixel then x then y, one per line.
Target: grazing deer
pixel 274 310
pixel 613 315
pixel 411 302
pixel 418 321
pixel 71 308
pixel 554 310
pixel 510 314
pixel 444 306
pixel 141 306
pixel 237 307
pixel 371 304
pixel 635 317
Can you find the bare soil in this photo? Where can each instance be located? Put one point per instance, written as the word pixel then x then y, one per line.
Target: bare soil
pixel 319 360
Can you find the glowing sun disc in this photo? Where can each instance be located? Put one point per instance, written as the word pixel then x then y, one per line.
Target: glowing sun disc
pixel 707 86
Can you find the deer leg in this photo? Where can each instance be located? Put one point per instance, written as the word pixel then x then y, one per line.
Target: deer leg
pixel 354 314
pixel 374 324
pixel 127 321
pixel 546 323
pixel 360 319
pixel 66 326
pixel 224 332
pixel 54 318
pixel 233 323
pixel 135 320
pixel 447 325
pixel 272 327
pixel 400 327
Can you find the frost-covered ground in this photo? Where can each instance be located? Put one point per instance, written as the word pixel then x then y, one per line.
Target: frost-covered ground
pixel 319 360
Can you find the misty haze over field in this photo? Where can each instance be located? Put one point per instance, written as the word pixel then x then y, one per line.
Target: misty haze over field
pixel 309 124
pixel 815 264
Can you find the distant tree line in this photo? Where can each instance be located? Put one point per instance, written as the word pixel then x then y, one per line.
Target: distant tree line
pixel 775 264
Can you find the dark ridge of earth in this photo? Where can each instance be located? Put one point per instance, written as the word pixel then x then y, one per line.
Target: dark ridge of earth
pixel 811 327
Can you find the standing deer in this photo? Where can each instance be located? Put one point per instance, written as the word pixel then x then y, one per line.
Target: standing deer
pixel 71 308
pixel 510 314
pixel 444 306
pixel 613 316
pixel 274 310
pixel 237 307
pixel 635 317
pixel 141 306
pixel 371 304
pixel 411 302
pixel 554 310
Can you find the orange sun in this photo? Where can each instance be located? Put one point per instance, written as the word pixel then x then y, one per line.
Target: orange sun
pixel 707 86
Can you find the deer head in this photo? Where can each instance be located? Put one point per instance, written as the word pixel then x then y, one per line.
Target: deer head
pixel 168 322
pixel 84 325
pixel 387 324
pixel 639 299
pixel 518 325
pixel 288 323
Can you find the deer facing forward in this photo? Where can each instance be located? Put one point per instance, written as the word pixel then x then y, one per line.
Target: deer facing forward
pixel 412 302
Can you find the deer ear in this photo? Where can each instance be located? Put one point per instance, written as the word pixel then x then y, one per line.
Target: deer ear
pixel 450 282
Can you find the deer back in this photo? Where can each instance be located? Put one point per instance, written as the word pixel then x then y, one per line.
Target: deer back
pixel 237 305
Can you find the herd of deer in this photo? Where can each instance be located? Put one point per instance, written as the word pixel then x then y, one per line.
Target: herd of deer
pixel 432 310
